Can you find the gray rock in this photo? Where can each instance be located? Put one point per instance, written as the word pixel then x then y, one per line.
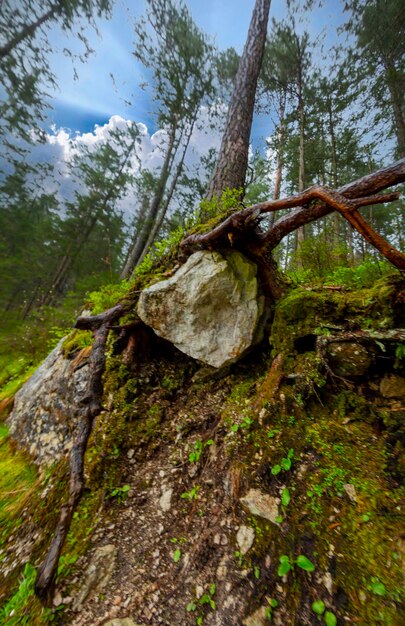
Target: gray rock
pixel 393 386
pixel 245 538
pixel 98 573
pixel 42 419
pixel 165 500
pixel 349 358
pixel 209 309
pixel 261 504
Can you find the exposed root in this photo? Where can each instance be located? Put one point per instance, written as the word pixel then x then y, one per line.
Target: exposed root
pixel 90 407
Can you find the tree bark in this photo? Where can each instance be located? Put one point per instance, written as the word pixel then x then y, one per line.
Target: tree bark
pixel 230 170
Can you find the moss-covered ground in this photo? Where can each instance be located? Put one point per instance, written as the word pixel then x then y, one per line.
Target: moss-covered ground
pixel 326 449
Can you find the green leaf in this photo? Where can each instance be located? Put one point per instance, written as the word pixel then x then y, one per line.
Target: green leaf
pixel 177 555
pixel 283 568
pixel 257 572
pixel 286 464
pixel 273 603
pixel 378 588
pixel 213 589
pixel 318 607
pixel 290 453
pixel 191 607
pixel 284 558
pixel 304 563
pixel 205 599
pixel 276 470
pixel 285 497
pixel 235 428
pixel 212 604
pixel 279 519
pixel 330 619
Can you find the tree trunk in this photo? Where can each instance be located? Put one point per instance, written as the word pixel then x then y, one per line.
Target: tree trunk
pixel 301 170
pixel 280 151
pixel 396 85
pixel 163 210
pixel 137 249
pixel 230 170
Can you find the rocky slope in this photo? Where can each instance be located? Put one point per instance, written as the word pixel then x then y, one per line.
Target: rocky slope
pixel 268 491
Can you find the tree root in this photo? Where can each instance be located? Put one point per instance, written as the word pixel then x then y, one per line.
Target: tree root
pixel 90 407
pixel 241 228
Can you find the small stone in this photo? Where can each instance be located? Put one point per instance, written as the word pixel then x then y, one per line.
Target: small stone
pixel 328 582
pixel 165 500
pixel 351 492
pixel 130 453
pixel 245 538
pixel 261 504
pixel 57 599
pixel 117 600
pixel 393 386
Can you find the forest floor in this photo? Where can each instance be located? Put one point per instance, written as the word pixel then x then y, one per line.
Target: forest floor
pixel 242 498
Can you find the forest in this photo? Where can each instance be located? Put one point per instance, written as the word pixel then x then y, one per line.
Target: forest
pixel 334 115
pixel 281 165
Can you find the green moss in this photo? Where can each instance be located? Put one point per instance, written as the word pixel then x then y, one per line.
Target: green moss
pixel 77 340
pixel 320 311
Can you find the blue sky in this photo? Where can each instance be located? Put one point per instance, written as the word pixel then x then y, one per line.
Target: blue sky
pixel 93 98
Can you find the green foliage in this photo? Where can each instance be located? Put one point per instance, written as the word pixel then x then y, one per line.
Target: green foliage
pixel 330 619
pixel 285 497
pixel 273 604
pixel 177 555
pixel 286 564
pixel 17 477
pixel 192 494
pixel 318 607
pixel 107 296
pixel 285 463
pixel 377 587
pixel 198 450
pixel 304 563
pixel 218 207
pixel 120 493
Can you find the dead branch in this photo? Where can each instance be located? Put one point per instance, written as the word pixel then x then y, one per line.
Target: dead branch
pixel 240 229
pixel 91 405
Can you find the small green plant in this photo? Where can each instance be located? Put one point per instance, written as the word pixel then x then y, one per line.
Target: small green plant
pixel 285 463
pixel 273 604
pixel 318 607
pixel 198 449
pixel 177 555
pixel 285 497
pixel 120 493
pixel 192 494
pixel 246 423
pixel 272 433
pixel 239 556
pixel 207 599
pixel 286 564
pixel 330 618
pixel 256 572
pixel 377 587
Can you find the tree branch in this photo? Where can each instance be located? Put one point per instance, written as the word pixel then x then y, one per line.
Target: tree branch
pixel 240 228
